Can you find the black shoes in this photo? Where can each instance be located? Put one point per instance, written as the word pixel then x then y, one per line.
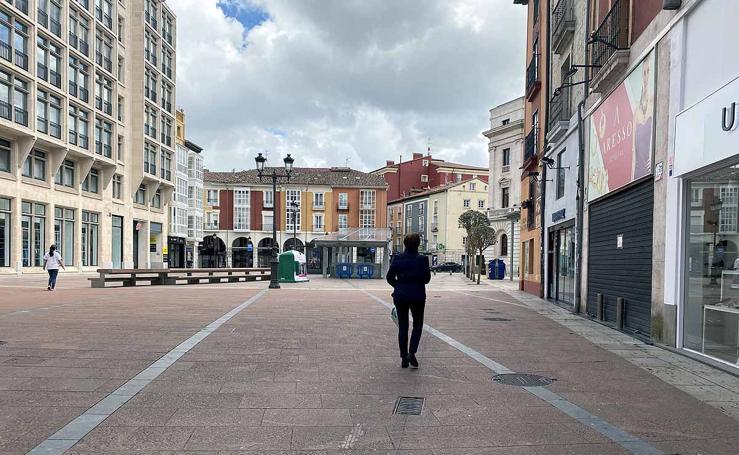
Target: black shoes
pixel 404 362
pixel 413 361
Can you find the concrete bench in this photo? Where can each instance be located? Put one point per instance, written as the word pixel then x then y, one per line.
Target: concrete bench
pixel 155 277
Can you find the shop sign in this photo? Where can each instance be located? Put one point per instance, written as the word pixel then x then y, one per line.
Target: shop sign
pixel 558 215
pixel 621 133
pixel 249 247
pixel 440 247
pixel 620 241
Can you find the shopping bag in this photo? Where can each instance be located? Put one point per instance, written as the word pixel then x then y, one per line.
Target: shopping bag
pixel 394 315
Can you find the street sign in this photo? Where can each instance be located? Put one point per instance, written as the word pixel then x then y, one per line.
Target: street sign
pixel 440 247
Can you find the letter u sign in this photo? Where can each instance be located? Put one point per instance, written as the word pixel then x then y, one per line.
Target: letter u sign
pixel 728 119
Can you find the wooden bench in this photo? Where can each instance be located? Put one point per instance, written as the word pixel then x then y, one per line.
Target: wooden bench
pixel 158 277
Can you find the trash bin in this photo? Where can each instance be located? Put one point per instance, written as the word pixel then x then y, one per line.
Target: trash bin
pixel 366 271
pixel 501 269
pixel 493 269
pixel 344 270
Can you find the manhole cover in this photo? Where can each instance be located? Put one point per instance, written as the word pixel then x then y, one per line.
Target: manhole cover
pixel 497 319
pixel 409 406
pixel 522 379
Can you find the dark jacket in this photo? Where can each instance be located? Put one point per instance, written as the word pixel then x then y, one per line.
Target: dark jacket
pixel 408 275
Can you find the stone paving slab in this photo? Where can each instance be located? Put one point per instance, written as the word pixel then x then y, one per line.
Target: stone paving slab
pixel 313 370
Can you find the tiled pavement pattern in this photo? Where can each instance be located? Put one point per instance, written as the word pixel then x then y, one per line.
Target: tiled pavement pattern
pixel 313 369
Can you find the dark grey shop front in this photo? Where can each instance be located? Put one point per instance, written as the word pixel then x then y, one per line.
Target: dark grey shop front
pixel 620 258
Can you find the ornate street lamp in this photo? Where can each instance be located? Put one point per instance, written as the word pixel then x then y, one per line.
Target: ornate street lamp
pixel 274 280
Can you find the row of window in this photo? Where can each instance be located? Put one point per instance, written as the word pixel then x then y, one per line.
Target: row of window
pixel 33 234
pixel 150 126
pixel 150 161
pixel 368 199
pixel 163 96
pixel 151 13
pixel 467 203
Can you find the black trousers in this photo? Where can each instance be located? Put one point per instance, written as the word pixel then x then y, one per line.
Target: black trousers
pixel 416 309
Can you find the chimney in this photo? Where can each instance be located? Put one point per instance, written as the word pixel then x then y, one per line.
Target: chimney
pixel 389 162
pixel 417 156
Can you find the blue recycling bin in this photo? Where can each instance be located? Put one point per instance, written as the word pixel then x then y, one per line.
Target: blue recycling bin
pixel 493 269
pixel 366 270
pixel 501 269
pixel 344 270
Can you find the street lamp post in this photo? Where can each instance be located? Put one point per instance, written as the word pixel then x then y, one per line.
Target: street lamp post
pixel 274 281
pixel 294 206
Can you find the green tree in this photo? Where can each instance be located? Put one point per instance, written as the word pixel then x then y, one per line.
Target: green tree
pixel 479 236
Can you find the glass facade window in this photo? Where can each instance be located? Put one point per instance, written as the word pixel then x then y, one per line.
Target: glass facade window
pixel 64 233
pixel 117 186
pixel 711 309
pixel 90 238
pixel 5 153
pixel 35 166
pixel 292 209
pixel 5 226
pixel 49 114
pixel 79 126
pixel 140 196
pixel 13 98
pixel 33 234
pixel 116 254
pixel 91 183
pixel 13 40
pixel 65 175
pixel 241 210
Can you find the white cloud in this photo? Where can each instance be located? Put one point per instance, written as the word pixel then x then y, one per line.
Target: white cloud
pixel 366 80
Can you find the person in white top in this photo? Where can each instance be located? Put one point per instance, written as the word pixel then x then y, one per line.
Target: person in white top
pixel 52 262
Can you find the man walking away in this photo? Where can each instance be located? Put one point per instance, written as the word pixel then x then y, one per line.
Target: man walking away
pixel 52 262
pixel 408 275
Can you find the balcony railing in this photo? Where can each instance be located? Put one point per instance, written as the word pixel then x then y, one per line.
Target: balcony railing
pixel 5 110
pixel 84 94
pixel 611 35
pixel 5 51
pixel 21 59
pixel 55 79
pixel 532 75
pixel 211 226
pixel 20 4
pixel 559 108
pixel 56 27
pixel 21 116
pixel 42 71
pixel 43 18
pixel 530 146
pixel 343 205
pixel 84 47
pixel 563 18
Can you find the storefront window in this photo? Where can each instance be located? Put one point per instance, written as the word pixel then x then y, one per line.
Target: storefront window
pixel 64 233
pixel 33 227
pixel 90 232
pixel 711 313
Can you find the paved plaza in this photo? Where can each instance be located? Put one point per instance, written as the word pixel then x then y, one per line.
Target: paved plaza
pixel 313 369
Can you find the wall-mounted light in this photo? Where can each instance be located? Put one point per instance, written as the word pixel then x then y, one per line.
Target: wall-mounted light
pixel 671 4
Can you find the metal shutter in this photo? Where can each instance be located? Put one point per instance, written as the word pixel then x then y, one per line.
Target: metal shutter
pixel 625 272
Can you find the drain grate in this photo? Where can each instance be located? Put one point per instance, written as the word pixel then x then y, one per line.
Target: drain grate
pixel 409 406
pixel 523 379
pixel 497 319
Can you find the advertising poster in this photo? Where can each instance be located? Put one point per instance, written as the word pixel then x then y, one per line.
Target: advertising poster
pixel 621 131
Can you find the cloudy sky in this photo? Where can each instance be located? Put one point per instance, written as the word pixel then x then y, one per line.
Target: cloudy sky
pixel 331 80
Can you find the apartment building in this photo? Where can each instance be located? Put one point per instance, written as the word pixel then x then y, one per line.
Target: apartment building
pixel 505 146
pixel 422 172
pixel 240 211
pixel 434 215
pixel 186 206
pixel 535 119
pixel 86 86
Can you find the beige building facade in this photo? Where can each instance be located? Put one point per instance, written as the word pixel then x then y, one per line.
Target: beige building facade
pixel 434 215
pixel 86 132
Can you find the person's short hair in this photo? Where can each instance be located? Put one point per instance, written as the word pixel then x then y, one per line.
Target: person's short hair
pixel 412 242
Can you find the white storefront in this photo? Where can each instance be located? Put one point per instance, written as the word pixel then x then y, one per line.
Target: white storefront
pixel 702 238
pixel 560 209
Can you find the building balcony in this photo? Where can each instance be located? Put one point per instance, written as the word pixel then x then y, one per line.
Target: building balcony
pixel 533 79
pixel 529 151
pixel 609 47
pixel 342 206
pixel 563 25
pixel 507 213
pixel 211 226
pixel 559 116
